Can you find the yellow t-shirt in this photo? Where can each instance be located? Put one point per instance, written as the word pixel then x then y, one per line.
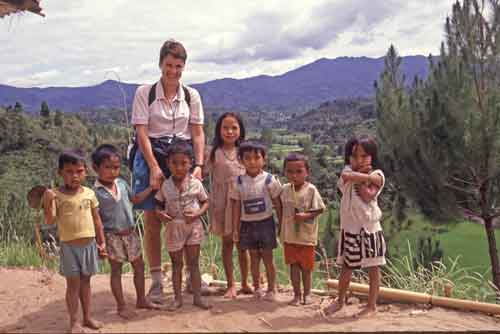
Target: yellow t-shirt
pixel 73 214
pixel 306 199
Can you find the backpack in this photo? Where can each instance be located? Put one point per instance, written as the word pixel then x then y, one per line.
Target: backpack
pixel 132 148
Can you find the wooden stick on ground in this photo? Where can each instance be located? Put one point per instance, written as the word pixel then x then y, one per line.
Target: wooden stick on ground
pixel 421 298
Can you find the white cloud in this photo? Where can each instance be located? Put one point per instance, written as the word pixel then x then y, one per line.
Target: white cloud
pixel 79 42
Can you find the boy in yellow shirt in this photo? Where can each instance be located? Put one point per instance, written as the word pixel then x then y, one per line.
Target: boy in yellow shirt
pixel 73 208
pixel 302 205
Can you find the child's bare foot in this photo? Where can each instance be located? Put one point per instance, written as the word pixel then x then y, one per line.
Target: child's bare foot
pixel 307 300
pixel 334 307
pixel 147 304
pixel 295 301
pixel 231 292
pixel 126 313
pixel 366 312
pixel 201 304
pixel 76 328
pixel 92 324
pixel 174 305
pixel 258 294
pixel 270 296
pixel 245 290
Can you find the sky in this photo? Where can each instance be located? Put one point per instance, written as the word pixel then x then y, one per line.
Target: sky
pixel 85 42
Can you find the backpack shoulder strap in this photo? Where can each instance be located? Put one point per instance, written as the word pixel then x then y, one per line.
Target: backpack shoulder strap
pixel 152 94
pixel 269 178
pixel 187 96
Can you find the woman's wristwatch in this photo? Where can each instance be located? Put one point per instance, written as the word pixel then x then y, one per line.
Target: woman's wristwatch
pixel 198 165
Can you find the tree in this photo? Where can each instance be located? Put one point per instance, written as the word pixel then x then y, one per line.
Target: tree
pixel 267 137
pixel 306 144
pixel 44 110
pixel 18 107
pixel 441 137
pixel 58 118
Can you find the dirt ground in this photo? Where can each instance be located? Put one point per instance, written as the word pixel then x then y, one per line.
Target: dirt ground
pixel 33 301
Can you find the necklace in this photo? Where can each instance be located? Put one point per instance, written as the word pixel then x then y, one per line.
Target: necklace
pixel 227 156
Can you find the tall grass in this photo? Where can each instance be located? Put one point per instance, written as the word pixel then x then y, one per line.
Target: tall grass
pixel 404 273
pixel 17 249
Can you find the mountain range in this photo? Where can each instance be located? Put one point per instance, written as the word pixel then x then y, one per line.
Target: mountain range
pixel 309 85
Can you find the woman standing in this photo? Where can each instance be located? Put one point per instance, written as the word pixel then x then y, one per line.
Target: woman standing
pixel 162 112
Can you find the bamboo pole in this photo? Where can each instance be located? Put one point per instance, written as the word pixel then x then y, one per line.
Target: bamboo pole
pixel 421 298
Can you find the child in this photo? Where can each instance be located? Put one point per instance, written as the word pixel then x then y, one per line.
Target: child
pixel 362 243
pixel 254 195
pixel 73 208
pixel 181 201
pixel 302 204
pixel 122 240
pixel 224 167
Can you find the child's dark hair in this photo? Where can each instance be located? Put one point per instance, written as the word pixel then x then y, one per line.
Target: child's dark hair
pixel 251 146
pixel 218 141
pixel 296 156
pixel 180 147
pixel 369 145
pixel 71 156
pixel 348 149
pixel 103 152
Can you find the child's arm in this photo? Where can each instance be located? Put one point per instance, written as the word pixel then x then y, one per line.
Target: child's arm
pixel 236 219
pixel 193 215
pixel 356 177
pixel 278 206
pixel 49 197
pixel 161 214
pixel 368 192
pixel 301 217
pixel 140 197
pixel 99 233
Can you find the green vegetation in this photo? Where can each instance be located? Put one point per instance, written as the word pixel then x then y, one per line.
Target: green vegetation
pixel 449 164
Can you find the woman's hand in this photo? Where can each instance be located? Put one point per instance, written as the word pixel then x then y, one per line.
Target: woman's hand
pixel 155 178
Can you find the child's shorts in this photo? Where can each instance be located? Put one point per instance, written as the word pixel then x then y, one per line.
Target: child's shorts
pixel 300 254
pixel 78 260
pixel 179 234
pixel 258 235
pixel 123 247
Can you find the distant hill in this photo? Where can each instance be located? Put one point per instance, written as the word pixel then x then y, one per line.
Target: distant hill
pixel 332 122
pixel 299 89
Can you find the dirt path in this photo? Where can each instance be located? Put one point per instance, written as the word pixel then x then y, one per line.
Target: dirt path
pixel 33 301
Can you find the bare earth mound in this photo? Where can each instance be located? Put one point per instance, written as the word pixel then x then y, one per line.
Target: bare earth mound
pixel 33 301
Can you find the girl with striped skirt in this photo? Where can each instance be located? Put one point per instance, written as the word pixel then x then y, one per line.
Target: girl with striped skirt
pixel 361 243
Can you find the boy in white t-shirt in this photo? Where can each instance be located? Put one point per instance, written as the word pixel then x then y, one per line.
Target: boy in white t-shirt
pixel 254 196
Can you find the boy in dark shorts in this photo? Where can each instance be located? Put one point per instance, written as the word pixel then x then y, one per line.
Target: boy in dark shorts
pixel 254 196
pixel 122 240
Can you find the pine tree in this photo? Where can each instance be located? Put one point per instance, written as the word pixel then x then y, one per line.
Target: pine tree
pixel 441 136
pixel 58 118
pixel 44 110
pixel 18 107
